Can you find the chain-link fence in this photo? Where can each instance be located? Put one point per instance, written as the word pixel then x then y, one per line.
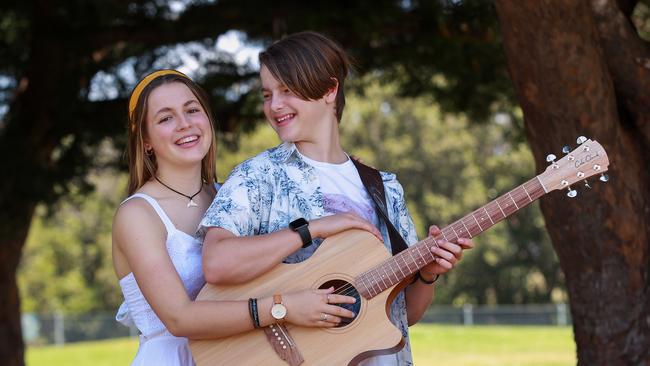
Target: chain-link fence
pixel 542 314
pixel 60 329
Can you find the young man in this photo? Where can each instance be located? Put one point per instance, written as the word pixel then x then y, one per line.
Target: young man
pixel 272 205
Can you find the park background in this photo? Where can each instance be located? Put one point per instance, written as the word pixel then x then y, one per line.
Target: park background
pixel 462 99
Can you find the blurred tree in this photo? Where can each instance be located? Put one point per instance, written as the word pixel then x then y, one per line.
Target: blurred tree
pixel 53 53
pixel 67 264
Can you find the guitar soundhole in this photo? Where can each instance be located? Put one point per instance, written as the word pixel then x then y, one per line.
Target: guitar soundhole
pixel 345 288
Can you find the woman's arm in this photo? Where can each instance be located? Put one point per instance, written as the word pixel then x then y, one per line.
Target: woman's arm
pixel 139 245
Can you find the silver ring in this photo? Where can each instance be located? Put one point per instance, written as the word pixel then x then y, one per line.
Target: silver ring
pixel 323 316
pixel 328 298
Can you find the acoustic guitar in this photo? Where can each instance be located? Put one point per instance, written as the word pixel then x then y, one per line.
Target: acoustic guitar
pixel 359 265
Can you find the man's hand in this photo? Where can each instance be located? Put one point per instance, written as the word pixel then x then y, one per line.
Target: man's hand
pixel 447 254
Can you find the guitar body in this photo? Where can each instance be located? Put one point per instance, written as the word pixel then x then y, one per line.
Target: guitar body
pixel 339 258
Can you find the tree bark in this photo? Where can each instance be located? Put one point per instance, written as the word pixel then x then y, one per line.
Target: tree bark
pixel 13 232
pixel 562 77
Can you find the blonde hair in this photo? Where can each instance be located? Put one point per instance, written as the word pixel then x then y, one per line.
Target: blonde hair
pixel 142 166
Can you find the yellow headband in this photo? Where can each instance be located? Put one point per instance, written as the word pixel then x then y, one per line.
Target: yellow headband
pixel 135 94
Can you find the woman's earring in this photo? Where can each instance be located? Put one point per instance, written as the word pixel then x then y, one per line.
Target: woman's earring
pixel 148 152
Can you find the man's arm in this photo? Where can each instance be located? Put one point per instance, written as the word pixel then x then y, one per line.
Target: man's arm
pixel 229 259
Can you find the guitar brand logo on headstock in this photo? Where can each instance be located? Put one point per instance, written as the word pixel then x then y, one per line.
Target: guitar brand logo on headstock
pixel 587 158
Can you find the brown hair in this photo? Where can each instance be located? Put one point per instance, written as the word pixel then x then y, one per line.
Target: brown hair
pixel 307 63
pixel 142 167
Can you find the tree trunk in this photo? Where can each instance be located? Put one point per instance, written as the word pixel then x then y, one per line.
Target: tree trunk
pixel 566 87
pixel 13 232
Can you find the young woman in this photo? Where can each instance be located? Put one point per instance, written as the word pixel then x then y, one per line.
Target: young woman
pixel 275 202
pixel 156 255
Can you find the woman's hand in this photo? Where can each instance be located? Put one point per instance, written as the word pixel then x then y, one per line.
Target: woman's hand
pixel 330 225
pixel 447 254
pixel 315 308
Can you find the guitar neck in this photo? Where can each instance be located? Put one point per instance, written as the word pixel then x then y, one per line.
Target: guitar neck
pixel 399 267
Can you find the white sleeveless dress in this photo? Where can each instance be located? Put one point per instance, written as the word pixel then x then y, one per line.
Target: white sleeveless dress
pixel 157 345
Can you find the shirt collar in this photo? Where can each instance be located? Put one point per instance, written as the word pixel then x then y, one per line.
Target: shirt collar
pixel 284 151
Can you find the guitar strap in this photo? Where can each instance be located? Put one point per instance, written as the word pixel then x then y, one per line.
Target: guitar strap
pixel 374 185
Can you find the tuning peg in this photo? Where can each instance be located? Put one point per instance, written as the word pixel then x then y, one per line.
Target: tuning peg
pixel 566 149
pixel 581 139
pixel 604 178
pixel 587 184
pixel 571 193
pixel 551 159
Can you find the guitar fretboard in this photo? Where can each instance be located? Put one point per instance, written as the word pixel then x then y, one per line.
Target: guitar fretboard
pixel 406 263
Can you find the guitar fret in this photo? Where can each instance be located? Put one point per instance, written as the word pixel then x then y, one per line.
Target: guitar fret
pixel 415 262
pixel 401 255
pixel 364 284
pixel 513 200
pixel 424 261
pixel 507 207
pixel 504 214
pixel 386 276
pixel 381 277
pixel 525 190
pixel 452 227
pixel 478 223
pixel 392 268
pixel 427 249
pixel 469 226
pixel 373 282
pixel 465 226
pixel 541 184
pixel 488 214
pixel 400 269
pixel 537 190
pixel 425 246
pixel 370 288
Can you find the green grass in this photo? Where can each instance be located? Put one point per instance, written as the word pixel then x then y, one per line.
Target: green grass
pixel 492 345
pixel 113 352
pixel 432 345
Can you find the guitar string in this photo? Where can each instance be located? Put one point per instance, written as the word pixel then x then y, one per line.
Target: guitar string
pixel 344 289
pixel 348 288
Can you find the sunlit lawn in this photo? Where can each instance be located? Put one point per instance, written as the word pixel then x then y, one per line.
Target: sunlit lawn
pixel 432 345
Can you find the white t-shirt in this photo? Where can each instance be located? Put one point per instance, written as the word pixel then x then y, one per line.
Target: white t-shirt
pixel 344 192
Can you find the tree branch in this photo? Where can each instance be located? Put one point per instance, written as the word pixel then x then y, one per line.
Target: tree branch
pixel 628 60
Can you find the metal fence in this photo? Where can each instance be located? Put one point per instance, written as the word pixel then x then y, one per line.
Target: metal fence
pixel 39 329
pixel 543 314
pixel 60 329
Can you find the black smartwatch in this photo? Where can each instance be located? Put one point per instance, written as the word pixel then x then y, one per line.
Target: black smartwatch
pixel 301 226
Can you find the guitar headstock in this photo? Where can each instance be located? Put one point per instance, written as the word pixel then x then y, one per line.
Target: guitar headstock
pixel 584 161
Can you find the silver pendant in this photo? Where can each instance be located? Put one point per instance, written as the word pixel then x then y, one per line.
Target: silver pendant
pixel 191 203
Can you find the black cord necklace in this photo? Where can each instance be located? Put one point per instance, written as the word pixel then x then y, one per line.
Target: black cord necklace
pixel 189 204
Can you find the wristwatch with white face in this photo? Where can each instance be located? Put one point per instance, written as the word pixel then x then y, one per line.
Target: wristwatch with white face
pixel 278 310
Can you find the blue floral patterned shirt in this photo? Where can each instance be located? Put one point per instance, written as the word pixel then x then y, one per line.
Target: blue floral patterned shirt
pixel 265 193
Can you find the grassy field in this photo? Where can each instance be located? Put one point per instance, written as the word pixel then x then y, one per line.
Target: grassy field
pixel 432 345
